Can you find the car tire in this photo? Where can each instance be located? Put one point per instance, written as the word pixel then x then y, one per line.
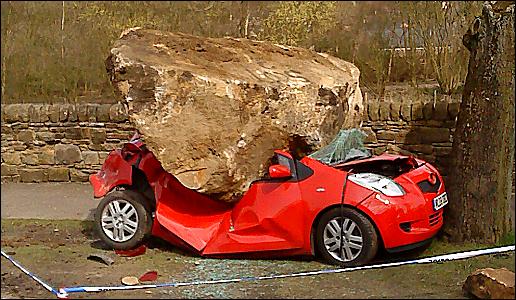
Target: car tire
pixel 136 222
pixel 327 238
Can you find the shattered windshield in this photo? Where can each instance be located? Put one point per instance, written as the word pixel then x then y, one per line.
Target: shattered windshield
pixel 347 145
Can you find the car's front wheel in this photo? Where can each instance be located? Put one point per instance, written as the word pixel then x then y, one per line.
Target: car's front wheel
pixel 122 221
pixel 346 237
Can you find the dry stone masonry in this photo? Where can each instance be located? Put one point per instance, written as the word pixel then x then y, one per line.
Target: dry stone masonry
pixel 67 142
pixel 423 128
pixel 62 142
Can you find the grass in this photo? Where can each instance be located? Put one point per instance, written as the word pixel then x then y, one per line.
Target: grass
pixel 439 247
pixel 507 239
pixel 56 263
pixel 85 225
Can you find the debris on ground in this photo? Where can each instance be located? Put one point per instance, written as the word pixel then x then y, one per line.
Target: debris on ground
pixel 130 280
pixel 101 257
pixel 212 110
pixel 176 266
pixel 490 283
pixel 132 252
pixel 149 276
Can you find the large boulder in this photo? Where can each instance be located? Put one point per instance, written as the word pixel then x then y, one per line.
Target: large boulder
pixel 490 283
pixel 213 109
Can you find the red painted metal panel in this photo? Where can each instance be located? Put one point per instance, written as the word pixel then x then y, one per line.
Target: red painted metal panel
pixel 415 207
pixel 275 216
pixel 114 172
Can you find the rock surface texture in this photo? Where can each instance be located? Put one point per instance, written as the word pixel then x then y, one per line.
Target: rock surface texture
pixel 212 110
pixel 490 283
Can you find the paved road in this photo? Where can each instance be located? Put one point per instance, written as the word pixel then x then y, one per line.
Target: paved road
pixel 53 201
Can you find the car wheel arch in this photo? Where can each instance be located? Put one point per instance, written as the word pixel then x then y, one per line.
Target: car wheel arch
pixel 141 186
pixel 328 208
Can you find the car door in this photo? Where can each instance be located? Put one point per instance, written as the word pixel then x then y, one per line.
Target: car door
pixel 270 216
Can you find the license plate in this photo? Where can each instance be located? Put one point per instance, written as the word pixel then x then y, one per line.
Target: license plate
pixel 440 201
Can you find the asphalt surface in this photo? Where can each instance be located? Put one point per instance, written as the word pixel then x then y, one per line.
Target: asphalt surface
pixel 58 201
pixel 49 201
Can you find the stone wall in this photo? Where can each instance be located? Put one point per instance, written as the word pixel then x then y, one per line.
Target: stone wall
pixel 67 142
pixel 62 142
pixel 424 129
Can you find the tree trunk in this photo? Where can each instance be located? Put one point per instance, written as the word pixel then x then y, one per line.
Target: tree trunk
pixel 483 144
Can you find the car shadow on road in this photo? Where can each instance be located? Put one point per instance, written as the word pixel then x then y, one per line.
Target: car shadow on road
pixel 152 243
pixel 385 257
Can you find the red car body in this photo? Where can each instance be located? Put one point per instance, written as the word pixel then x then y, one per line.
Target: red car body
pixel 278 217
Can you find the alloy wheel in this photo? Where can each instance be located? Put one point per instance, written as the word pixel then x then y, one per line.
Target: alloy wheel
pixel 343 245
pixel 119 220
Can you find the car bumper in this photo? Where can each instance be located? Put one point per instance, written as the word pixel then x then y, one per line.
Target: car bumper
pixel 400 226
pixel 410 246
pixel 114 172
pixel 408 221
pixel 99 188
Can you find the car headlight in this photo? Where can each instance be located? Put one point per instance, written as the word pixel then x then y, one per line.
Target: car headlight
pixel 378 183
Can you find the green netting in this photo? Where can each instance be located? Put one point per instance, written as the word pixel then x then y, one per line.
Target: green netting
pixel 346 146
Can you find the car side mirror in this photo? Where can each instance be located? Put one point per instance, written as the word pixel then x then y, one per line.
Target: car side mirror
pixel 279 171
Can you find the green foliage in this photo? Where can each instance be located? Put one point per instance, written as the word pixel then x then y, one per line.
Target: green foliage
pixel 293 22
pixel 48 56
pixel 45 60
pixel 507 239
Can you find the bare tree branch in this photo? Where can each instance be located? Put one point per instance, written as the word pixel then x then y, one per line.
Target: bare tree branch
pixel 210 6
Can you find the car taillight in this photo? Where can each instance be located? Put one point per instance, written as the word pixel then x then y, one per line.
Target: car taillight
pixel 127 155
pixel 129 151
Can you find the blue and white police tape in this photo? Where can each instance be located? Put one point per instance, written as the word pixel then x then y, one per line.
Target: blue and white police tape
pixel 439 258
pixel 36 278
pixel 63 292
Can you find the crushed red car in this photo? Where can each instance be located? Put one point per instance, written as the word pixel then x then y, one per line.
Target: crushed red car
pixel 340 204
